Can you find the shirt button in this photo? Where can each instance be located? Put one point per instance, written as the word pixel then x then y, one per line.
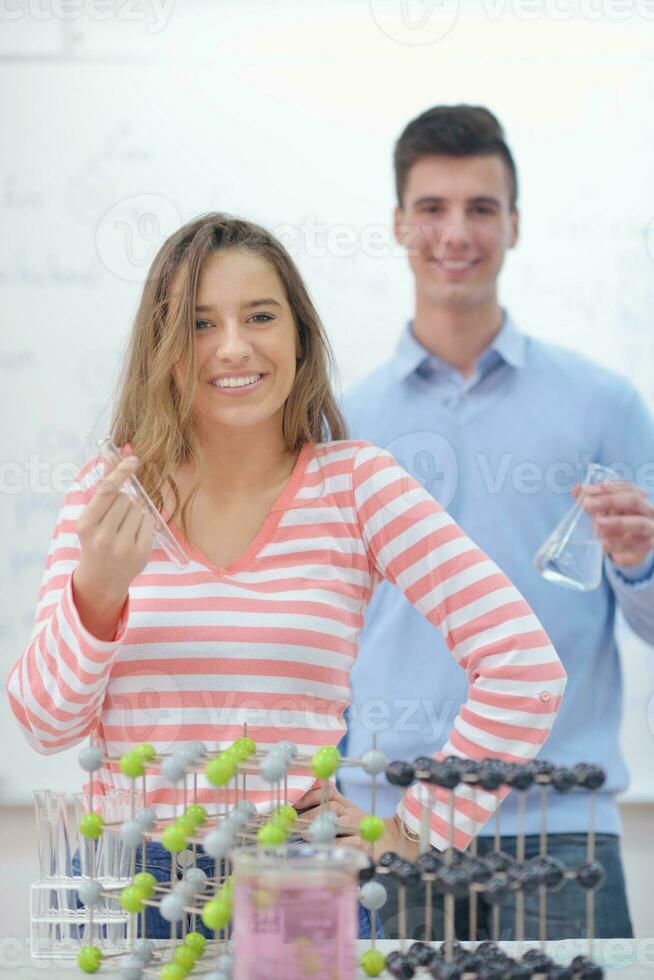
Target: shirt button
pixel 545 696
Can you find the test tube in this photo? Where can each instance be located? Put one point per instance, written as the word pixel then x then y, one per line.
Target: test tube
pixel 133 488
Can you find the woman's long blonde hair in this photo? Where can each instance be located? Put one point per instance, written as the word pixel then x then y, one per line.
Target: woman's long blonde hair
pixel 152 414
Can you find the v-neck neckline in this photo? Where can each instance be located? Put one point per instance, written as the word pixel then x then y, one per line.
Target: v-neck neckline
pixel 264 534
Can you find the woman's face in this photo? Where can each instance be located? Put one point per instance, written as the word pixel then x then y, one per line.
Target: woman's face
pixel 246 342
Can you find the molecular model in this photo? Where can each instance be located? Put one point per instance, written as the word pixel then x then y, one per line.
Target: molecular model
pixel 234 822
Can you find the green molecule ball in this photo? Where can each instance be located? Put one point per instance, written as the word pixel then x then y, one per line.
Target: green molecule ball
pixel 145 882
pixel 196 941
pixel 90 826
pixel 172 971
pixel 325 762
pixel 131 899
pixel 286 815
pixel 372 962
pixel 371 828
pixel 174 838
pixel 89 959
pixel 144 751
pixel 271 835
pixel 197 814
pixel 131 765
pixel 217 913
pixel 220 770
pixel 185 956
pixel 244 747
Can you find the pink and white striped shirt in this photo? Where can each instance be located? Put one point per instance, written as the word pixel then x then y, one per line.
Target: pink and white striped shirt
pixel 270 641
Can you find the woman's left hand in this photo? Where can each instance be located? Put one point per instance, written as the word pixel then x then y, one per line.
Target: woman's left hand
pixel 349 816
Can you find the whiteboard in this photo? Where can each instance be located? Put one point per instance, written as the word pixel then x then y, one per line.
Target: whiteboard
pixel 119 130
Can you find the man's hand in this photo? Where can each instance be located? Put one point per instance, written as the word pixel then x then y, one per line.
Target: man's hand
pixel 623 519
pixel 349 816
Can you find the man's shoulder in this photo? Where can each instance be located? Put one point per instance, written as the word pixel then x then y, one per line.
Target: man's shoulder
pixel 362 400
pixel 551 359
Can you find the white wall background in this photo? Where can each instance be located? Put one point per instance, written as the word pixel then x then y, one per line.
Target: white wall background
pixel 116 129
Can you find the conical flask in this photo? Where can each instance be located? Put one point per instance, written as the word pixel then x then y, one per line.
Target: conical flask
pixel 572 555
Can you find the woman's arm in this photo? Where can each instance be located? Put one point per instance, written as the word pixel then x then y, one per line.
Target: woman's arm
pixel 57 688
pixel 516 679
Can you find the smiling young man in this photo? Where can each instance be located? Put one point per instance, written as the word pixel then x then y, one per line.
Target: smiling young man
pixel 499 427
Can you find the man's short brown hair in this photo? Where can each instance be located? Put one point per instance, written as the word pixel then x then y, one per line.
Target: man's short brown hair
pixel 452 131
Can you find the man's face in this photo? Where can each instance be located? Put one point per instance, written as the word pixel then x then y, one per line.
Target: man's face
pixel 457 224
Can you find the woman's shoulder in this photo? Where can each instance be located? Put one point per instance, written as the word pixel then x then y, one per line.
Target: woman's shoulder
pixel 345 449
pixel 88 475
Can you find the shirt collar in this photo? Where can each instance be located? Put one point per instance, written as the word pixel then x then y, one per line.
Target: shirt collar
pixel 410 355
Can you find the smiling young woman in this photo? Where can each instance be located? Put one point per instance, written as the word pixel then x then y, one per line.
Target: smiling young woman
pixel 289 527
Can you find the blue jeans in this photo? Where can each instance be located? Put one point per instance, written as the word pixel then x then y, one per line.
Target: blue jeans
pixel 160 863
pixel 566 908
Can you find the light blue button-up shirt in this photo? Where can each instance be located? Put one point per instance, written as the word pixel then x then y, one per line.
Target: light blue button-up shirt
pixel 501 450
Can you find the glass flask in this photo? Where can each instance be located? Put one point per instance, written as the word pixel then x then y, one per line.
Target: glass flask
pixel 572 555
pixel 295 912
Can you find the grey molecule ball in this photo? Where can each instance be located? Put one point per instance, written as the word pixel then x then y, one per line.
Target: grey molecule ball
pixel 144 949
pixel 172 908
pixel 322 830
pixel 273 767
pixel 225 962
pixel 288 748
pixel 185 891
pixel 131 833
pixel 218 842
pixel 374 762
pixel 247 807
pixel 131 967
pixel 90 892
pixel 373 895
pixel 173 769
pixel 192 751
pixel 197 878
pixel 90 758
pixel 146 817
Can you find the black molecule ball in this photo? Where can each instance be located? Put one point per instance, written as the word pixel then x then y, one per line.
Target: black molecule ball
pixel 479 871
pixel 421 954
pixel 539 962
pixel 525 877
pixel 428 863
pixel 558 972
pixel 563 779
pixel 422 764
pixel 550 871
pixel 488 950
pixel 446 971
pixel 492 773
pixel 387 859
pixel 520 777
pixel 404 873
pixel 400 773
pixel 591 875
pixel 453 880
pixel 497 890
pixel 586 969
pixel 441 774
pixel 498 861
pixel 589 776
pixel 399 965
pixel 543 770
pixel 519 971
pixel 470 770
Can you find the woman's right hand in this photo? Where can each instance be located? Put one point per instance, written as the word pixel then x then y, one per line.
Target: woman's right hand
pixel 115 535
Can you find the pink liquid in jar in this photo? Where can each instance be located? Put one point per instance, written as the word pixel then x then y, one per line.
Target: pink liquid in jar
pixel 295 923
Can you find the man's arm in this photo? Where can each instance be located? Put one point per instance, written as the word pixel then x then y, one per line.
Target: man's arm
pixel 623 513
